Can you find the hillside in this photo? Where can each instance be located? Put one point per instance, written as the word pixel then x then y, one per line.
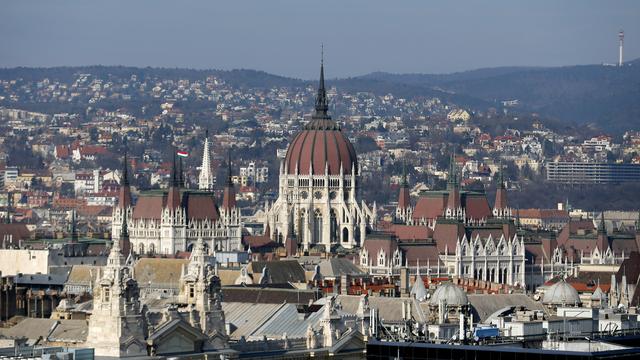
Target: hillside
pixel 604 96
pixel 588 94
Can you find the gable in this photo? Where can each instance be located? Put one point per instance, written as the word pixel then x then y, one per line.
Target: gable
pixel 177 340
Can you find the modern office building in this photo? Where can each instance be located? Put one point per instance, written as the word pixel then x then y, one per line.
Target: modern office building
pixel 592 173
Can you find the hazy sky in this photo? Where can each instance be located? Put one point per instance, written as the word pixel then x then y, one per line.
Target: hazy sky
pixel 284 37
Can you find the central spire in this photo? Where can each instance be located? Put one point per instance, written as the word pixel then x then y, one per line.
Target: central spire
pixel 322 102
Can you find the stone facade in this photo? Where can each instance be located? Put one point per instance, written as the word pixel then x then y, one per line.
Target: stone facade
pixel 171 221
pixel 318 202
pixel 117 327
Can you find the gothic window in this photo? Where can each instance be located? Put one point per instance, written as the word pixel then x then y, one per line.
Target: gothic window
pixel 105 294
pixel 317 226
pixel 152 249
pixel 141 249
pixel 345 235
pixel 381 259
pixel 363 259
pixel 334 226
pixel 192 291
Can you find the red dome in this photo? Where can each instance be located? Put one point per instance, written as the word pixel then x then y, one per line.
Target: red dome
pixel 321 142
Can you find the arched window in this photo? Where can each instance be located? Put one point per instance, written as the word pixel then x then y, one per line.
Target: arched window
pixel 141 249
pixel 335 232
pixel 345 235
pixel 152 249
pixel 317 226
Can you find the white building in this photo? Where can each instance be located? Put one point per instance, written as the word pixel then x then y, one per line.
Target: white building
pixel 166 222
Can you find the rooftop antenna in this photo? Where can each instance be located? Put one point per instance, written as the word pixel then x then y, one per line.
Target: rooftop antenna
pixel 620 46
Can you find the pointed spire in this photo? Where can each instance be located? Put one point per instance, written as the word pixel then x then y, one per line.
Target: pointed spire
pixel 453 199
pixel 124 195
pixel 602 229
pixel 206 178
pixel 229 173
pixel 322 103
pixel 115 259
pixel 173 197
pixel 404 198
pixel 452 180
pixel 500 204
pixel 175 182
pixel 229 196
pixel 125 244
pixel 125 170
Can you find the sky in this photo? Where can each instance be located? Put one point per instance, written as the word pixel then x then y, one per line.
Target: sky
pixel 285 37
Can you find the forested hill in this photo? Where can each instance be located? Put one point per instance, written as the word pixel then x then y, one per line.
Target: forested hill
pixel 607 96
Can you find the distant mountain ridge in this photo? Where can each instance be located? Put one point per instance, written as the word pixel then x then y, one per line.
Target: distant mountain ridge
pixel 606 96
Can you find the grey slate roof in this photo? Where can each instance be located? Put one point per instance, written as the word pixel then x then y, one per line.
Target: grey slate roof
pixel 487 304
pixel 389 308
pixel 287 320
pixel 268 295
pixel 280 272
pixel 336 267
pixel 245 318
pixel 70 331
pixel 41 279
pixel 48 329
pixel 30 328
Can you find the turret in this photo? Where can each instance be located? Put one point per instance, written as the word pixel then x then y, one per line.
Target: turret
pixel 602 240
pixel 404 198
pixel 206 179
pixel 124 194
pixel 173 198
pixel 125 243
pixel 500 207
pixel 453 185
pixel 229 197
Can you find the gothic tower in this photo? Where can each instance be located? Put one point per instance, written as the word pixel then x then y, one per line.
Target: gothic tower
pixel 117 325
pixel 206 180
pixel 123 210
pixel 404 210
pixel 200 289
